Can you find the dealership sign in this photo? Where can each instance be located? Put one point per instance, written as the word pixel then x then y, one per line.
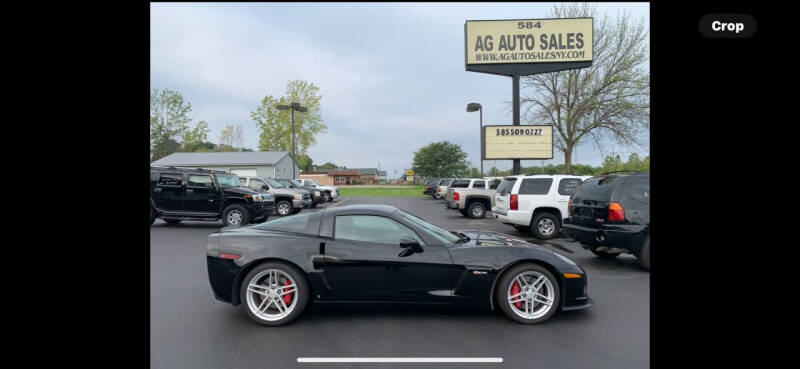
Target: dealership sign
pixel 529 41
pixel 517 142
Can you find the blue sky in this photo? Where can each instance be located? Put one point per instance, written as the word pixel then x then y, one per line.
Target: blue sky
pixel 391 76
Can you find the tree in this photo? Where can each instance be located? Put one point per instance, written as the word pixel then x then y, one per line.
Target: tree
pixel 169 119
pixel 328 165
pixel 441 159
pixel 474 173
pixel 609 99
pixel 276 125
pixel 231 138
pixel 193 139
pixel 304 162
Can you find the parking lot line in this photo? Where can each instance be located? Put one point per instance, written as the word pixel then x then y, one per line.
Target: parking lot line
pixel 337 204
pixel 399 359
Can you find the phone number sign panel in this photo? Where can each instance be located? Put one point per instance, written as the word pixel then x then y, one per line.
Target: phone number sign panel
pixel 528 142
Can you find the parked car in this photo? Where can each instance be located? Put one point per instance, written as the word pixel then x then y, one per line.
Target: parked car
pixel 535 202
pixel 430 186
pixel 317 196
pixel 178 194
pixel 331 192
pixel 472 197
pixel 441 189
pixel 378 253
pixel 610 215
pixel 287 200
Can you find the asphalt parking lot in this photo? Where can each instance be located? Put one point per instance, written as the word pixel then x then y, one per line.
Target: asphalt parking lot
pixel 190 329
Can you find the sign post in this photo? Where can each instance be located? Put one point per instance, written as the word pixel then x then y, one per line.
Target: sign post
pixel 520 47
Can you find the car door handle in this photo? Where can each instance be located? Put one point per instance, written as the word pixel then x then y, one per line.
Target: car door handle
pixel 189 190
pixel 157 189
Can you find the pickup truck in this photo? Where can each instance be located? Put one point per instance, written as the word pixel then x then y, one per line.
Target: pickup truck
pixel 472 197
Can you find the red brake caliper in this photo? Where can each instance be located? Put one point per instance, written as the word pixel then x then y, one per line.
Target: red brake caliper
pixel 288 298
pixel 515 290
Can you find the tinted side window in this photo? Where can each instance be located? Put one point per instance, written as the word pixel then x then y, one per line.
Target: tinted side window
pixel 494 183
pixel 460 183
pixel 301 223
pixel 479 184
pixel 506 186
pixel 199 181
pixel 370 228
pixel 535 186
pixel 567 186
pixel 639 190
pixel 170 179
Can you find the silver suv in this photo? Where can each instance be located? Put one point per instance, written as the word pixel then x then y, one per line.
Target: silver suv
pixel 287 200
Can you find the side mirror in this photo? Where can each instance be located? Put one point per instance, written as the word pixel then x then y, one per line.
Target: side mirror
pixel 410 246
pixel 265 187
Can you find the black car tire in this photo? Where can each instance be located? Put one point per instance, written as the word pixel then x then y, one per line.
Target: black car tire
pixel 245 214
pixel 327 197
pixel 644 256
pixel 152 215
pixel 543 217
pixel 301 294
pixel 604 254
pixel 479 208
pixel 505 281
pixel 463 212
pixel 172 221
pixel 287 207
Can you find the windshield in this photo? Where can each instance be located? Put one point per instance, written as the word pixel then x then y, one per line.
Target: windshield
pixel 228 180
pixel 315 183
pixel 297 183
pixel 442 235
pixel 273 183
pixel 287 183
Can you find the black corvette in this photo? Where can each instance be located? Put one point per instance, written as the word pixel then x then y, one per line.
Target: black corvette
pixel 378 253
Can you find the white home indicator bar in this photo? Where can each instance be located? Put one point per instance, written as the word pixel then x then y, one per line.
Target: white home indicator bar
pixel 399 359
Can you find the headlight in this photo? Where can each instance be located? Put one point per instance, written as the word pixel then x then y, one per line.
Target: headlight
pixel 297 196
pixel 316 193
pixel 566 259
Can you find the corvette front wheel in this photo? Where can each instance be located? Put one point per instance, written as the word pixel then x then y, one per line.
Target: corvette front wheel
pixel 273 294
pixel 528 293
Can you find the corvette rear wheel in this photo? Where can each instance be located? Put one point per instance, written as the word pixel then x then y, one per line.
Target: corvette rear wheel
pixel 528 293
pixel 273 294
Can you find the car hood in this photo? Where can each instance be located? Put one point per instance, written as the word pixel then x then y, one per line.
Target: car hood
pixel 490 238
pixel 239 191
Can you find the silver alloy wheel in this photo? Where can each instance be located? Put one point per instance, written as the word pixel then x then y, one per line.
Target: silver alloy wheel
pixel 234 217
pixel 327 197
pixel 284 209
pixel 266 292
pixel 477 211
pixel 546 226
pixel 536 295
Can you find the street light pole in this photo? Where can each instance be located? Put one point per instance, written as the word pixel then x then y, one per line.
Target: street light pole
pixel 294 150
pixel 472 107
pixel 293 106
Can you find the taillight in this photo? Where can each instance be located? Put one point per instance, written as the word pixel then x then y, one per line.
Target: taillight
pixel 455 196
pixel 569 207
pixel 615 212
pixel 514 202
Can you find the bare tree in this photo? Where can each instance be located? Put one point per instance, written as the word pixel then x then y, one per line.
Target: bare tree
pixel 610 99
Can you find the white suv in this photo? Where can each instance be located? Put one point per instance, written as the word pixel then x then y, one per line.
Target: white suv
pixel 538 202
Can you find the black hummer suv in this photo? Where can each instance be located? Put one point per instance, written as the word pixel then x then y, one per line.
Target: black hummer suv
pixel 610 214
pixel 178 194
